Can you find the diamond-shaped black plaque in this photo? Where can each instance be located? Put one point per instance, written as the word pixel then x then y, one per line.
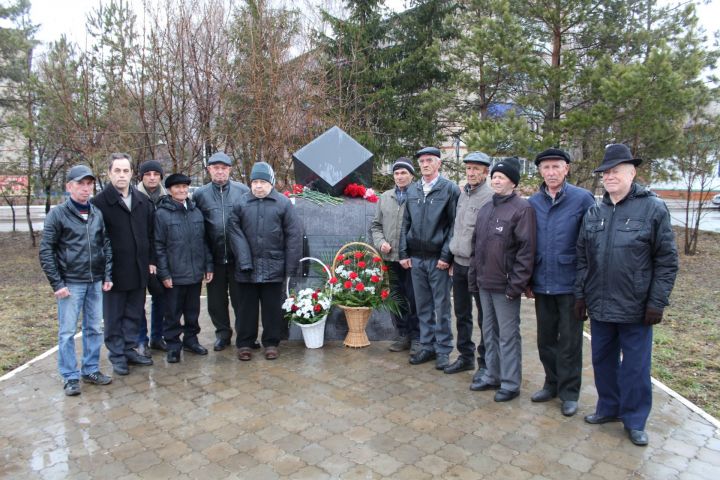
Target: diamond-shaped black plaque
pixel 332 161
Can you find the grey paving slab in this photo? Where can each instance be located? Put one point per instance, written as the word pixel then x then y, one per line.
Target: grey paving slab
pixel 328 413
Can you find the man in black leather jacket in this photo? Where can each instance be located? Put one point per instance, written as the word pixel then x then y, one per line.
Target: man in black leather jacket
pixel 626 268
pixel 76 257
pixel 216 201
pixel 425 247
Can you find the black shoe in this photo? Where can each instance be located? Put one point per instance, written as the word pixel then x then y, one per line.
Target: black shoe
pixel 442 361
pixel 158 345
pixel 195 348
pixel 569 408
pixel 142 349
pixel 72 388
pixel 97 378
pixel 422 356
pixel 543 395
pixel 481 386
pixel 637 437
pixel 173 356
pixel 220 344
pixel 134 358
pixel 462 364
pixel 478 375
pixel 415 347
pixel 596 419
pixel 120 369
pixel 400 344
pixel 503 395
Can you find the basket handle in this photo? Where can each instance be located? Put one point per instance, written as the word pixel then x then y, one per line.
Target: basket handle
pixel 313 259
pixel 351 244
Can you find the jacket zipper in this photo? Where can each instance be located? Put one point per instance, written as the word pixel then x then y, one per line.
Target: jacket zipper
pixel 87 230
pixel 222 207
pixel 611 239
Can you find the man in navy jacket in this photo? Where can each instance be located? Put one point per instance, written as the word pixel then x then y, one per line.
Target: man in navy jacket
pixel 559 209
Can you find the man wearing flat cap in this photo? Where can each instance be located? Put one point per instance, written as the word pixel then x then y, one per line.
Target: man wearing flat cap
pixel 385 231
pixel 425 248
pixel 216 201
pixel 626 267
pixel 476 193
pixel 183 262
pixel 150 173
pixel 559 210
pixel 76 257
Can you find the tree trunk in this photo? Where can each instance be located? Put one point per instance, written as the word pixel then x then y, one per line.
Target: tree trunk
pixel 29 105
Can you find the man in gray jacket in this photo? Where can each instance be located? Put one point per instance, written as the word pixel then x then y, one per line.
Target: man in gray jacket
pixel 216 201
pixel 385 230
pixel 476 193
pixel 76 257
pixel 425 247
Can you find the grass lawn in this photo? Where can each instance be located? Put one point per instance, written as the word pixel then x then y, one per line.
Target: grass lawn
pixel 686 343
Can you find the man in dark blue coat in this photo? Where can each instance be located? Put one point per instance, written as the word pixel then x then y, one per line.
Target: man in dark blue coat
pixel 559 209
pixel 128 216
pixel 626 268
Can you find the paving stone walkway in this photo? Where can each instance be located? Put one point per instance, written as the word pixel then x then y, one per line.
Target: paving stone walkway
pixel 329 413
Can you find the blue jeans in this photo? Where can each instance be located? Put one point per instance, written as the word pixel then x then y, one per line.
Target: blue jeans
pixel 157 312
pixel 88 298
pixel 432 299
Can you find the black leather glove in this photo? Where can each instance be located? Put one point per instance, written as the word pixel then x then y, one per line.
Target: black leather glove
pixel 653 316
pixel 580 310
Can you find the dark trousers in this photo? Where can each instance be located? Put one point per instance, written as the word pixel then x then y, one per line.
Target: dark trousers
pixel 559 341
pixel 182 301
pixel 217 300
pixel 268 296
pixel 401 286
pixel 123 313
pixel 157 314
pixel 462 300
pixel 624 387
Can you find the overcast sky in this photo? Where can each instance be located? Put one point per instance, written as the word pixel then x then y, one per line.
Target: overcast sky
pixel 62 16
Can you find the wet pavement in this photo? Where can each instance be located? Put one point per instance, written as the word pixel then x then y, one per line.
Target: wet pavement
pixel 329 413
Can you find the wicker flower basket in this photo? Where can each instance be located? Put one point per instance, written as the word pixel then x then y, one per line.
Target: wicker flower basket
pixel 357 317
pixel 357 320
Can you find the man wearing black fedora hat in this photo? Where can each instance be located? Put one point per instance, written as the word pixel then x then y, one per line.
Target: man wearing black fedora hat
pixel 626 267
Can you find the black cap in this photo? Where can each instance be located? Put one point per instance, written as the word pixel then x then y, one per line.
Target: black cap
pixel 78 172
pixel 434 151
pixel 150 166
pixel 552 154
pixel 615 154
pixel 177 179
pixel 510 167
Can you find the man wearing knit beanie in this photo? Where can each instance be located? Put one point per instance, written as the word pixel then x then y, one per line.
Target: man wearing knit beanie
pixel 385 231
pixel 501 266
pixel 266 238
pixel 151 173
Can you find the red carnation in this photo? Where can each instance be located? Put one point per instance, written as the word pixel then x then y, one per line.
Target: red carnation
pixel 375 279
pixel 347 262
pixel 340 258
pixel 317 307
pixel 384 294
pixel 297 188
pixel 372 198
pixel 286 193
pixel 353 275
pixel 359 255
pixel 377 259
pixel 347 284
pixel 333 280
pixel 359 287
pixel 362 264
pixel 294 308
pixel 384 268
pixel 314 296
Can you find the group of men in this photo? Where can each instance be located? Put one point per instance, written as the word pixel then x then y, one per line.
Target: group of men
pixel 615 261
pixel 100 254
